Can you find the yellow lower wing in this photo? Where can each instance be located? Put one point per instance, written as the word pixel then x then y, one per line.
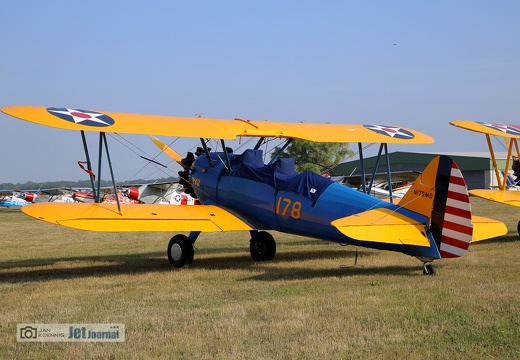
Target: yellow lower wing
pixel 501 196
pixel 138 217
pixel 383 226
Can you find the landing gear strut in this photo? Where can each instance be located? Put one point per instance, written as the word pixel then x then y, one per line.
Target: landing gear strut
pixel 262 246
pixel 429 269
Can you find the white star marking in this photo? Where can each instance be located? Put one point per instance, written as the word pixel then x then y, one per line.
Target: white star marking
pixel 390 131
pixel 81 116
pixel 503 128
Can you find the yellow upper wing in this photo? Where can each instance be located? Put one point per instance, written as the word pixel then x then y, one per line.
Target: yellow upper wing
pixel 75 119
pixel 142 217
pixel 496 129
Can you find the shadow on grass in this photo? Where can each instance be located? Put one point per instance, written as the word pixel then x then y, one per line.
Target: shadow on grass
pixel 276 274
pixel 508 238
pixel 64 268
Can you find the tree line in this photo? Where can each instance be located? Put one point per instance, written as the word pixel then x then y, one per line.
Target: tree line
pixel 31 185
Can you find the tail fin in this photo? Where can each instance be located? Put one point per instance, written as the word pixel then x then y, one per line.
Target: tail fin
pixel 440 193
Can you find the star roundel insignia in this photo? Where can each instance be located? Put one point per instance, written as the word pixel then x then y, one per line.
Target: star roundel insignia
pixel 392 131
pixel 507 129
pixel 82 117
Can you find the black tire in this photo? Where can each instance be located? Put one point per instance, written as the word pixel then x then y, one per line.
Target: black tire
pixel 429 269
pixel 180 251
pixel 262 246
pixel 518 228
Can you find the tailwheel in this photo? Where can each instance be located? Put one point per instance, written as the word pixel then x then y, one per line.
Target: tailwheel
pixel 262 246
pixel 180 251
pixel 429 269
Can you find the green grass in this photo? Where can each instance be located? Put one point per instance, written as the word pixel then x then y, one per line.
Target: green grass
pixel 308 303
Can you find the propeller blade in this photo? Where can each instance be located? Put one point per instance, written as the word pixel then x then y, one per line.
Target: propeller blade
pixel 167 150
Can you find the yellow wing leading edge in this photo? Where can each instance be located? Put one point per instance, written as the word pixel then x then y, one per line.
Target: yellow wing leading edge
pixel 143 217
pixel 75 119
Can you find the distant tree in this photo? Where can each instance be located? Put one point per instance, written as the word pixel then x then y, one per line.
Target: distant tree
pixel 315 156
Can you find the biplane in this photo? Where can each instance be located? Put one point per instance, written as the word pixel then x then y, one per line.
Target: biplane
pixel 507 192
pixel 244 192
pixel 153 193
pixel 18 198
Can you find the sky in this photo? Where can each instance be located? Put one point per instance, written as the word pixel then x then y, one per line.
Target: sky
pixel 416 64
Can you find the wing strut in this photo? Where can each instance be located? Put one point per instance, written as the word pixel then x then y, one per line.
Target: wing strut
pixel 388 173
pixel 206 151
pixel 383 146
pixel 89 166
pixel 495 166
pixel 376 166
pixel 96 188
pixel 103 138
pixel 362 165
pixel 279 152
pixel 226 155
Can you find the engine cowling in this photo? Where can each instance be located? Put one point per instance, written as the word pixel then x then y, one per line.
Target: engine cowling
pixel 133 193
pixel 82 196
pixel 30 197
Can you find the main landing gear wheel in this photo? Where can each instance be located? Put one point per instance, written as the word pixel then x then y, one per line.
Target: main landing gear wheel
pixel 518 228
pixel 429 269
pixel 180 251
pixel 262 246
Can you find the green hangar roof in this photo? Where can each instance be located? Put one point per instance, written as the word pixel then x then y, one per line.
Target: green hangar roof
pixel 405 161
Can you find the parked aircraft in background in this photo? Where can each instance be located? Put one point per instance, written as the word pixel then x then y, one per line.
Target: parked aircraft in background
pixel 17 198
pixel 507 192
pixel 153 193
pixel 241 192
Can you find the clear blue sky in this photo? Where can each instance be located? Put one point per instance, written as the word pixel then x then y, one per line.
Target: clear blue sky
pixel 418 64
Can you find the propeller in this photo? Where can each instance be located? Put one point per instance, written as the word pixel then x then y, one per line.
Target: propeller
pixel 167 150
pixel 185 163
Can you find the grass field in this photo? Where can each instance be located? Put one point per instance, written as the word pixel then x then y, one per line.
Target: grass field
pixel 309 303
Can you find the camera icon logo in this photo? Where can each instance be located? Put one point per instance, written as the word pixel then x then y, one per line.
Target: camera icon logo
pixel 28 332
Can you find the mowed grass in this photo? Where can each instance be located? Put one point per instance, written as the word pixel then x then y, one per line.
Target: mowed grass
pixel 309 303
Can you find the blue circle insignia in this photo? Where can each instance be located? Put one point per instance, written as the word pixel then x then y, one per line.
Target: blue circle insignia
pixel 82 117
pixel 392 131
pixel 507 129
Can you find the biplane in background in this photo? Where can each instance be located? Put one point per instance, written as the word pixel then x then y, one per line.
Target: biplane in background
pixel 25 197
pixel 507 192
pixel 154 193
pixel 242 192
pixel 377 184
pixel 17 198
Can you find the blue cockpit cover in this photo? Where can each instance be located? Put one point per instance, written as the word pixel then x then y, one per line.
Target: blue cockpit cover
pixel 280 175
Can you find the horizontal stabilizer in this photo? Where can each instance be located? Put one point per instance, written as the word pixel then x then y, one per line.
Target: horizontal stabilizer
pixel 383 226
pixel 137 217
pixel 501 196
pixel 485 228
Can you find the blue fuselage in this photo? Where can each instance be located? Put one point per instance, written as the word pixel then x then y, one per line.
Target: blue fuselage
pixel 293 208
